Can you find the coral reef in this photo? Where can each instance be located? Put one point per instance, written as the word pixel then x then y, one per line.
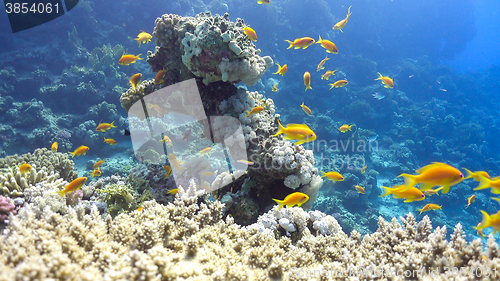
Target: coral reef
pixel 188 239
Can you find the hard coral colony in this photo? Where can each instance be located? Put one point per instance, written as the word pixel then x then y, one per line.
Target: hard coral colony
pixel 200 204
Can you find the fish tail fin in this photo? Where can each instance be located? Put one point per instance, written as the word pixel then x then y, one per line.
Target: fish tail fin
pixel 281 203
pixel 308 87
pixel 280 130
pixel 62 193
pixel 484 182
pixel 349 11
pixel 379 76
pixel 485 222
pixel 291 44
pixel 410 180
pixel 468 174
pixel 249 112
pixel 324 174
pixel 320 40
pixel 388 191
pixel 72 154
pixel 302 104
pixel 279 68
pixel 113 124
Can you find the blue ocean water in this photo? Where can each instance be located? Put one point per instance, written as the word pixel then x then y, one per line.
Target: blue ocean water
pixel 442 56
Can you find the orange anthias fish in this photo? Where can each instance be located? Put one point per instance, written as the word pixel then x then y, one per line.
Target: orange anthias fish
pixel 360 189
pixel 72 186
pixel 435 174
pixel 303 43
pixel 333 176
pixel 135 80
pixel 255 110
pixel 250 33
pixel 173 191
pixel 174 162
pixel 159 76
pixel 339 25
pixel 296 198
pixel 82 149
pixel 429 207
pixel 168 170
pixel 275 87
pixel 344 128
pixel 363 169
pixel 300 132
pixel 110 141
pixel 328 45
pixel 307 80
pixel 143 37
pixel 386 80
pixel 411 194
pixel 338 84
pixel 96 172
pixel 128 59
pixel 267 2
pixel 327 74
pixel 490 221
pixel 24 168
pixel 166 140
pixel 306 109
pixel 98 164
pixel 103 127
pixel 206 150
pixel 471 200
pixel 54 146
pixel 321 63
pixel 282 69
pixel 246 162
pixel 431 192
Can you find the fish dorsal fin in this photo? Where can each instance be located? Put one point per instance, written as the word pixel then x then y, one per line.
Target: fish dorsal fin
pixel 430 166
pixel 289 126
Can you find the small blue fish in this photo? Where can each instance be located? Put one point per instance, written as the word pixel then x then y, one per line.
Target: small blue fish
pixel 378 96
pixel 372 137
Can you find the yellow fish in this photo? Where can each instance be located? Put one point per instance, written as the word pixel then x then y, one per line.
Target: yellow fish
pixel 168 170
pixel 72 186
pixel 360 189
pixel 307 80
pixel 110 141
pixel 143 37
pixel 338 84
pixel 321 63
pixel 474 175
pixel 386 80
pixel 82 149
pixel 435 174
pixel 485 182
pixel 173 191
pixel 246 162
pixel 303 43
pixel 128 59
pixel 159 76
pixel 255 110
pixel 267 2
pixel 363 169
pixel 167 140
pixel 339 25
pixel 296 198
pixel 431 192
pixel 206 150
pixel 96 172
pixel 429 207
pixel 102 127
pixel 471 200
pixel 300 132
pixel 98 164
pixel 24 168
pixel 306 109
pixel 135 80
pixel 54 146
pixel 327 74
pixel 328 45
pixel 344 128
pixel 333 176
pixel 250 33
pixel 490 221
pixel 275 87
pixel 282 69
pixel 398 192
